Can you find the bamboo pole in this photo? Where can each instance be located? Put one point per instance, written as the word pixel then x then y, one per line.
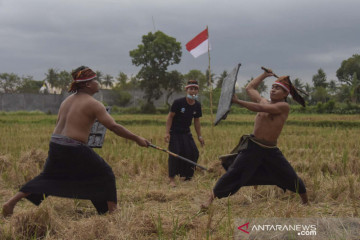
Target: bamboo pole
pixel 210 84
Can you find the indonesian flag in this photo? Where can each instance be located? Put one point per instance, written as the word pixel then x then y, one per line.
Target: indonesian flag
pixel 199 44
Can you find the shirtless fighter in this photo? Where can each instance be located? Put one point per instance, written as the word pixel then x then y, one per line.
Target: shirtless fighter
pixel 260 162
pixel 72 168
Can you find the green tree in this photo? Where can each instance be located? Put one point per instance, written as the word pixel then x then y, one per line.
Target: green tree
pixel 134 83
pixel 298 84
pixel 52 78
pixel 262 88
pixel 156 53
pixel 99 77
pixel 9 82
pixel 307 89
pixel 108 80
pixel 122 80
pixel 242 94
pixel 221 78
pixel 211 78
pixel 348 68
pixel 64 80
pixel 332 88
pixel 29 85
pixel 319 79
pixel 198 76
pixel 343 93
pixel 174 83
pixel 121 98
pixel 355 89
pixel 319 94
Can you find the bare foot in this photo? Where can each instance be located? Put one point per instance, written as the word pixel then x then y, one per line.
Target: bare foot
pixel 7 210
pixel 304 199
pixel 112 206
pixel 205 206
pixel 172 184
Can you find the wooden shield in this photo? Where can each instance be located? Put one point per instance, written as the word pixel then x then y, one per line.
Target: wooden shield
pixel 227 91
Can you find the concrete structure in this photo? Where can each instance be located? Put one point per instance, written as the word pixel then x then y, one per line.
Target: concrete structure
pixel 50 103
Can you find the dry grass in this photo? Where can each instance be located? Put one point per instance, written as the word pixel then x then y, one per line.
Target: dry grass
pixel 326 158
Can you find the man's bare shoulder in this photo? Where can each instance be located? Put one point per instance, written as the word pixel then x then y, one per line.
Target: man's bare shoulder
pixel 283 105
pixel 264 101
pixel 276 108
pixel 85 99
pixel 94 107
pixel 83 102
pixel 92 100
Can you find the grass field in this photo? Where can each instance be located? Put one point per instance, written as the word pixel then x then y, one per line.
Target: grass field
pixel 323 149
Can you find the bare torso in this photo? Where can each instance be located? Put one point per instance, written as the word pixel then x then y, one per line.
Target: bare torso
pixel 76 116
pixel 268 126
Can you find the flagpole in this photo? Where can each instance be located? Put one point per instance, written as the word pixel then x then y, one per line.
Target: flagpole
pixel 211 104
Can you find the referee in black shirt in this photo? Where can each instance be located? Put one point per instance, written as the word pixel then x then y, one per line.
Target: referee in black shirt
pixel 178 134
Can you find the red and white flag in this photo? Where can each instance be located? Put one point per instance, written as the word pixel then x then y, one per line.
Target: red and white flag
pixel 199 44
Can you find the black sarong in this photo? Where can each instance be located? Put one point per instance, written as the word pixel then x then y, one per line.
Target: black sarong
pixel 184 145
pixel 257 165
pixel 74 172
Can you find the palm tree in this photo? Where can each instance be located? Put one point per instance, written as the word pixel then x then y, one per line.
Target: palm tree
pixel 99 77
pixel 52 77
pixel 262 88
pixel 108 80
pixel 65 80
pixel 355 89
pixel 122 80
pixel 221 79
pixel 298 84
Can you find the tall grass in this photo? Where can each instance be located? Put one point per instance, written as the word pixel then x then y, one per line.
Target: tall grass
pixel 326 156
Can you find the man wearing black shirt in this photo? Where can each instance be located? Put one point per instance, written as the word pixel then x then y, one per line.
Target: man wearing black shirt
pixel 178 134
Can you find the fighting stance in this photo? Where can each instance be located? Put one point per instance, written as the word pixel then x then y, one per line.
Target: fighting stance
pixel 73 169
pixel 260 162
pixel 178 134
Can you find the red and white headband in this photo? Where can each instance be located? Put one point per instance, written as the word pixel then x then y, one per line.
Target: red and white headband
pixel 191 85
pixel 85 79
pixel 282 85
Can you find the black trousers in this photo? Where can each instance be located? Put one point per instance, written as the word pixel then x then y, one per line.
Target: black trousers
pixel 257 165
pixel 182 144
pixel 74 172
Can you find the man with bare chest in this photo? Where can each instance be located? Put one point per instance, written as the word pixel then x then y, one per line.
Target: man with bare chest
pixel 72 168
pixel 260 162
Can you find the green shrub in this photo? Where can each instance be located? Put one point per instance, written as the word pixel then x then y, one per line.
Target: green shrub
pixel 148 108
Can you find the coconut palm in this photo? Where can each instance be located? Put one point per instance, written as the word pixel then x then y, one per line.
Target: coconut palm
pixel 108 81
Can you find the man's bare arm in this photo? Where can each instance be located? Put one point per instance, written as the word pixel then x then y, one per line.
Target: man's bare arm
pixel 197 127
pixel 251 88
pixel 276 108
pixel 104 118
pixel 169 121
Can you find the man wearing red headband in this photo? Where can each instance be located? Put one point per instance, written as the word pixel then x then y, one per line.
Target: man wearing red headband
pixel 178 134
pixel 259 161
pixel 72 168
